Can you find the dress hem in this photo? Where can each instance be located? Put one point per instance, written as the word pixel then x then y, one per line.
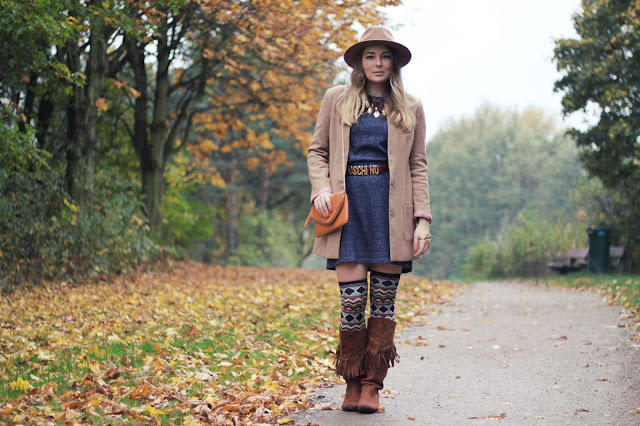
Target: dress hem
pixel 407 265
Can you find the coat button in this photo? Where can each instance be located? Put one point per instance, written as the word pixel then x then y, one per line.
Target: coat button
pixel 391 213
pixel 392 183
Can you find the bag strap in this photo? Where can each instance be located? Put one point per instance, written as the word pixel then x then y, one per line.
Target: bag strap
pixel 344 167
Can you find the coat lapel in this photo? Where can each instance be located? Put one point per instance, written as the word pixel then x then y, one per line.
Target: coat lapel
pixel 393 135
pixel 345 136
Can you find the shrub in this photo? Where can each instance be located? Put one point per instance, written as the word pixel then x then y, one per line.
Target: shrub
pixel 523 247
pixel 266 239
pixel 185 220
pixel 45 236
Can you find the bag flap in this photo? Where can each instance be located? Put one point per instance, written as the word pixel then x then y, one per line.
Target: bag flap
pixel 337 202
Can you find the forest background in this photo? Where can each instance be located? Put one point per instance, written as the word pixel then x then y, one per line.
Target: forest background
pixel 132 131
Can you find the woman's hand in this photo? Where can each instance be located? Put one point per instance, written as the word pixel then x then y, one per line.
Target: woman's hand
pixel 323 204
pixel 421 238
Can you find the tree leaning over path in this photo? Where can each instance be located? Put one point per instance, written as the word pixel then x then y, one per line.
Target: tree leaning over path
pixel 602 75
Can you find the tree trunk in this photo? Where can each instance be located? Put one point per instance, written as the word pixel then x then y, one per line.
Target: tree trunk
pixel 263 205
pixel 152 181
pixel 155 139
pixel 29 101
pixel 232 206
pixel 83 114
pixel 264 192
pixel 75 129
pixel 152 188
pixel 95 76
pixel 45 112
pixel 136 57
pixel 631 263
pixel 148 143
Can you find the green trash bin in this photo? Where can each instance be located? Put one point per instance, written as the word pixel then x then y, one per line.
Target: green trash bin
pixel 599 249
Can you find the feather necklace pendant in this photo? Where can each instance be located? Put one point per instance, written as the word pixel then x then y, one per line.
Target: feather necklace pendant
pixel 375 106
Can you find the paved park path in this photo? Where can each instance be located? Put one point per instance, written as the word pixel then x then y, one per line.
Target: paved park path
pixel 507 353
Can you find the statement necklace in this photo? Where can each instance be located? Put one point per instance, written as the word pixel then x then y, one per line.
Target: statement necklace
pixel 375 105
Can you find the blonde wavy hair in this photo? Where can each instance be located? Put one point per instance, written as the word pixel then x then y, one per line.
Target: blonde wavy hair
pixel 397 104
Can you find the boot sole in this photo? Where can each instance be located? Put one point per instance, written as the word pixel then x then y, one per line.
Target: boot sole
pixel 350 408
pixel 366 410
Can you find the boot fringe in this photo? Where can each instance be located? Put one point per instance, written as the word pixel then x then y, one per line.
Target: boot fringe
pixel 379 357
pixel 350 365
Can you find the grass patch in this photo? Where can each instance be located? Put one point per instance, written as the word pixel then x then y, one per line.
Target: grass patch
pixel 198 344
pixel 622 290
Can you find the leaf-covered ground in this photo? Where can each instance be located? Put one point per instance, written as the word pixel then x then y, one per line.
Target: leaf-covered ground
pixel 195 344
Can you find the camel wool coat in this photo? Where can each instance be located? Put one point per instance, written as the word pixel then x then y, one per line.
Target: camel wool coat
pixel 408 180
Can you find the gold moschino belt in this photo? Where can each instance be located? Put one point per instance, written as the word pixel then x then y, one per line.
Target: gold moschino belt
pixel 367 170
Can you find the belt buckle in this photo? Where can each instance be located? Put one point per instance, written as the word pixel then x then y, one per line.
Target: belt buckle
pixel 373 169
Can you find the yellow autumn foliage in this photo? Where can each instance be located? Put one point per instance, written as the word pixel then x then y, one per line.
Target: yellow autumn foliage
pixel 19 385
pixel 279 62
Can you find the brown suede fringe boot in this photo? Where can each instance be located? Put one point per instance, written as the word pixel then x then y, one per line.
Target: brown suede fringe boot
pixel 350 365
pixel 380 355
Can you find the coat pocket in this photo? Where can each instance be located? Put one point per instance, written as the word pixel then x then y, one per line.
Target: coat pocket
pixel 408 224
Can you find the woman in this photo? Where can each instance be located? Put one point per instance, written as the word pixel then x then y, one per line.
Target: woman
pixel 380 130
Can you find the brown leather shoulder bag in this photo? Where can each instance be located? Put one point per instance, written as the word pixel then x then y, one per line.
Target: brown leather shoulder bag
pixel 339 215
pixel 340 204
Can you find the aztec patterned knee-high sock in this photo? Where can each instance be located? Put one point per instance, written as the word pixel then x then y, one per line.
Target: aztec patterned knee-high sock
pixel 383 294
pixel 353 295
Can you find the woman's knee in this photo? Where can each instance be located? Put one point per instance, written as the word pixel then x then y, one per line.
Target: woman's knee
pixel 351 271
pixel 386 268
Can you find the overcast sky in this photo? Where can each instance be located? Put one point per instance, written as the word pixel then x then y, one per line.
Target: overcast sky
pixel 470 52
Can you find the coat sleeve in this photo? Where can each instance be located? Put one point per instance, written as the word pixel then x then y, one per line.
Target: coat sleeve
pixel 318 153
pixel 419 169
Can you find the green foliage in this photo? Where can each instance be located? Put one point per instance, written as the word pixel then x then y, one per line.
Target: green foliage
pixel 186 220
pixel 523 247
pixel 45 236
pixel 266 239
pixel 486 170
pixel 601 73
pixel 19 152
pixel 601 76
pixel 28 28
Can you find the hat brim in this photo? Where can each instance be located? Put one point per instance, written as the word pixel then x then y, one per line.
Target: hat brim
pixel 403 55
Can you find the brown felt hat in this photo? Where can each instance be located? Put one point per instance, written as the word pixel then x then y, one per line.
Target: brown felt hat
pixel 377 35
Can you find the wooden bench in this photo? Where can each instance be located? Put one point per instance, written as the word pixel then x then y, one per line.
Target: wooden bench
pixel 577 262
pixel 579 259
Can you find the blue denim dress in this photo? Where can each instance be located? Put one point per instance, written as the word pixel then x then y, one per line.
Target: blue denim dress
pixel 365 238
